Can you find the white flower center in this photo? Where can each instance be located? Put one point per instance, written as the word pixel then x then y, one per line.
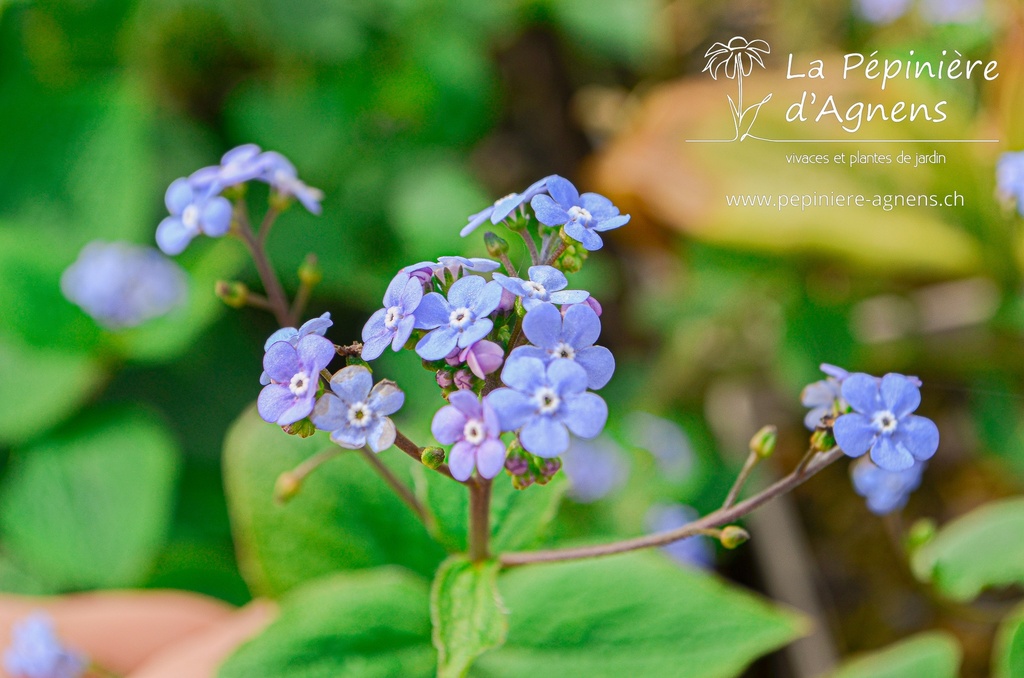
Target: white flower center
pixel 885 421
pixel 474 433
pixel 535 290
pixel 581 214
pixel 299 384
pixel 564 350
pixel 393 317
pixel 359 415
pixel 547 400
pixel 190 217
pixel 460 317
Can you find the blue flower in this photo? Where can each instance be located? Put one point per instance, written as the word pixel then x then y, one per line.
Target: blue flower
pixel 282 176
pixel 882 11
pixel 546 283
pixel 667 442
pixel 1010 178
pixel 394 323
pixel 882 422
pixel 193 211
pixel 547 402
pixel 472 426
pixel 822 396
pixel 122 285
pixel 595 468
pixel 240 164
pixel 317 326
pixel 571 337
pixel 425 270
pixel 295 374
pixel 35 652
pixel 693 551
pixel 460 320
pixel 885 491
pixel 582 216
pixel 503 207
pixel 356 412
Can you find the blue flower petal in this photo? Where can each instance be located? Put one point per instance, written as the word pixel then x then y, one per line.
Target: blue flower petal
pixel 300 409
pixel 569 297
pixel 891 455
pixel 505 206
pixel 548 212
pixel 854 434
pixel 352 384
pixel 281 361
pixel 599 206
pixel 524 374
pixel 381 434
pixel 216 217
pixel 487 299
pixel 437 343
pixel 376 335
pixel 566 377
pixel 475 220
pixel 329 413
pixel 274 400
pixel 464 291
pixel 462 460
pixel 490 458
pixel 402 332
pixel 448 424
pixel 512 407
pixel 599 364
pixel 919 435
pixel 550 277
pixel 581 326
pixel 564 193
pixel 861 392
pixel 531 352
pixel 474 333
pixel 586 415
pixel 315 352
pixel 349 437
pixel 542 325
pixel 433 311
pixel 899 395
pixel 316 325
pixel 289 334
pixel 172 236
pixel 179 195
pixel 385 398
pixel 610 224
pixel 545 437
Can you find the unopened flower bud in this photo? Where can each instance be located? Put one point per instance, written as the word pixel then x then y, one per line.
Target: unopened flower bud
pixel 464 380
pixel 921 532
pixel 496 246
pixel 822 440
pixel 733 535
pixel 235 294
pixel 594 304
pixel 763 442
pixel 310 274
pixel 287 486
pixel 432 457
pixel 444 379
pixel 570 264
pixel 548 468
pixel 515 223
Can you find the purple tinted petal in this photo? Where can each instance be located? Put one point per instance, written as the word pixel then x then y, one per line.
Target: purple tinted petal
pixel 566 377
pixel 542 325
pixel 179 196
pixel 854 434
pixel 216 217
pixel 523 373
pixel 393 294
pixel 274 400
pixel 300 409
pixel 599 364
pixel 548 212
pixel 376 335
pixel 835 372
pixel 385 398
pixel 449 423
pixel 467 403
pixel 537 187
pixel 432 312
pixel 289 334
pixel 476 332
pixel 545 437
pixel 281 361
pixel 819 394
pixel 411 296
pixel 586 415
pixel 492 424
pixel 564 193
pixel 581 326
pixel 891 455
pixel 352 384
pixel 349 437
pixel 550 277
pixel 512 407
pixel 240 154
pixel 899 395
pixel 484 357
pixel 172 236
pixel 437 343
pixel 475 220
pixel 329 413
pixel 381 435
pixel 918 435
pixel 316 325
pixel 315 352
pixel 861 392
pixel 402 332
pixel 490 458
pixel 461 460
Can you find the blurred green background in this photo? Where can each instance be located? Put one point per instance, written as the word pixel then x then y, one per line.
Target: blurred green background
pixel 410 116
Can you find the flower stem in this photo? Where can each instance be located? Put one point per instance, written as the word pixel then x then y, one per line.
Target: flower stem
pixel 275 293
pixel 718 518
pixel 479 519
pixel 416 452
pixel 531 246
pixel 553 257
pixel 741 479
pixel 403 492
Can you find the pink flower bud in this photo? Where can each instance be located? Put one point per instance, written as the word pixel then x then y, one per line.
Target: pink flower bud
pixel 483 357
pixel 508 301
pixel 444 379
pixel 463 380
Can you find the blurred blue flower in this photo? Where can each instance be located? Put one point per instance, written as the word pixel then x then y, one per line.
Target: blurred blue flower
pixel 568 337
pixel 122 285
pixel 595 469
pixel 546 402
pixel 356 412
pixel 1010 178
pixel 546 283
pixel 283 178
pixel 692 551
pixel 582 216
pixel 882 11
pixel 503 207
pixel 882 422
pixel 885 491
pixel 291 335
pixel 822 396
pixel 295 375
pixel 460 320
pixel 473 428
pixel 240 164
pixel 35 652
pixel 666 441
pixel 394 323
pixel 193 211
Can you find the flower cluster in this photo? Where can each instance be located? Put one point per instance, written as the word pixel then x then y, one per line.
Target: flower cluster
pixel 36 652
pixel 123 285
pixel 197 207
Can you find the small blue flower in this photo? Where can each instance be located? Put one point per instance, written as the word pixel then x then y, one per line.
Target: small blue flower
pixel 122 285
pixel 882 422
pixel 571 337
pixel 240 164
pixel 503 207
pixel 460 320
pixel 693 551
pixel 394 323
pixel 193 211
pixel 356 412
pixel 1010 178
pixel 547 402
pixel 595 469
pixel 882 11
pixel 35 652
pixel 546 283
pixel 471 426
pixel 282 176
pixel 295 374
pixel 885 491
pixel 457 266
pixel 582 216
pixel 317 326
pixel 822 396
pixel 667 442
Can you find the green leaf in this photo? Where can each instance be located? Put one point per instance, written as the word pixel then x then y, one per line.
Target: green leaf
pixel 467 613
pixel 345 517
pixel 90 506
pixel 934 654
pixel 1008 649
pixel 368 624
pixel 979 550
pixel 635 615
pixel 1017 652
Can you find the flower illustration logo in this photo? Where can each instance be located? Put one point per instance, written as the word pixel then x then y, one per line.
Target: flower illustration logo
pixel 736 60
